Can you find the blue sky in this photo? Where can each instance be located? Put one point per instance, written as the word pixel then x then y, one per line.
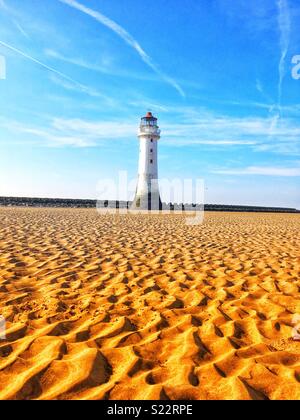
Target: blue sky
pixel 217 74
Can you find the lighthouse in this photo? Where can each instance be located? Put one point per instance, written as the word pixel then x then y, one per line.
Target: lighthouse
pixel 147 195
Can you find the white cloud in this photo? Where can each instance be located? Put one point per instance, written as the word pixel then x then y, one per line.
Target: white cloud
pixel 3 5
pixel 94 129
pixel 61 132
pixel 181 127
pixel 259 86
pixel 76 61
pixel 127 37
pixel 79 87
pixel 46 136
pixel 200 127
pixel 199 141
pixel 261 170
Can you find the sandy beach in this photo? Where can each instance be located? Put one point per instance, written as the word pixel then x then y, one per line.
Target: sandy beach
pixel 146 307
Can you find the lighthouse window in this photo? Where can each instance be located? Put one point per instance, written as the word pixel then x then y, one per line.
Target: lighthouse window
pixel 151 150
pixel 151 160
pixel 151 140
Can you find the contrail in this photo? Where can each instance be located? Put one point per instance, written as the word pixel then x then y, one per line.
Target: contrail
pixel 122 33
pixel 45 66
pixel 285 29
pixel 21 29
pixel 284 41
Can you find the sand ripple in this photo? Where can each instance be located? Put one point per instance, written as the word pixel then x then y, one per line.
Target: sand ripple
pixel 145 307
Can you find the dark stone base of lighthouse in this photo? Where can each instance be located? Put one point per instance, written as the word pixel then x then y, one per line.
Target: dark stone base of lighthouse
pixel 147 196
pixel 147 201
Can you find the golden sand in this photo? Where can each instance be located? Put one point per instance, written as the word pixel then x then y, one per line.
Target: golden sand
pixel 145 307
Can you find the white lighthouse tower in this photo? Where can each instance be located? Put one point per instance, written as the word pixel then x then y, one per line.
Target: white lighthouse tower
pixel 147 195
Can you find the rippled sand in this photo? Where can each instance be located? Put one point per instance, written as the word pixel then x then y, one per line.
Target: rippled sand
pixel 145 307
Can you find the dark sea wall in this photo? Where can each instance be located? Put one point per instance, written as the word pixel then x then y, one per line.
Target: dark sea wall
pixel 73 203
